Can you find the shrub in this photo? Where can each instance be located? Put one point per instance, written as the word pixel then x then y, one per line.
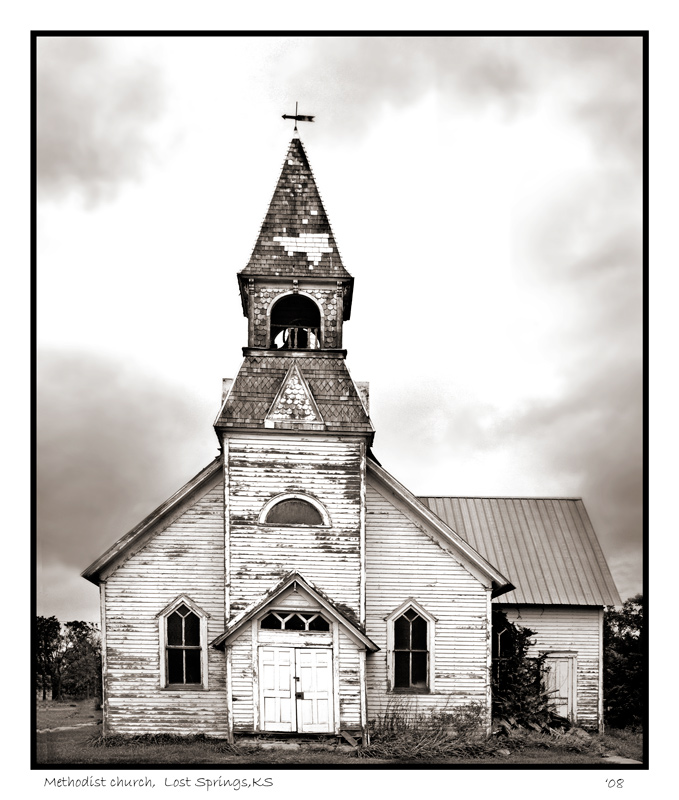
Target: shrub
pixel 519 695
pixel 405 733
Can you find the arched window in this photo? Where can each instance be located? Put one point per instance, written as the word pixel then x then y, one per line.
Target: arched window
pixel 183 637
pixel 410 640
pixel 410 651
pixel 295 323
pixel 294 509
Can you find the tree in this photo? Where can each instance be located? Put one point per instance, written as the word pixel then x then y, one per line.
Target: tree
pixel 624 677
pixel 81 673
pixel 48 645
pixel 69 657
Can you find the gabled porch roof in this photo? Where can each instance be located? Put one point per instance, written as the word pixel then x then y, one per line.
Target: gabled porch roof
pixel 270 597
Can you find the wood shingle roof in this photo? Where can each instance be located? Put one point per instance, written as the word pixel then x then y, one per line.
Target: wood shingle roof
pixel 261 376
pixel 296 239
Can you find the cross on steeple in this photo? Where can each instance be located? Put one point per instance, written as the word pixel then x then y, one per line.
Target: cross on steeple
pixel 298 117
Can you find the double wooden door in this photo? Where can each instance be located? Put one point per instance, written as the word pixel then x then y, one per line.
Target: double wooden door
pixel 296 689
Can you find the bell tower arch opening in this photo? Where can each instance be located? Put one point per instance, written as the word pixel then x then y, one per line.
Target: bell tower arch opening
pixel 295 323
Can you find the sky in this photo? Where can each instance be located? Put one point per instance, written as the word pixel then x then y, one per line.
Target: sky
pixel 485 193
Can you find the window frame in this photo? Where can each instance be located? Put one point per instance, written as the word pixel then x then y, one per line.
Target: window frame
pixel 280 498
pixel 287 613
pixel 410 603
pixel 163 617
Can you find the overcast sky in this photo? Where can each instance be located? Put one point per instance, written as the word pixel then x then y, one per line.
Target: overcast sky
pixel 485 193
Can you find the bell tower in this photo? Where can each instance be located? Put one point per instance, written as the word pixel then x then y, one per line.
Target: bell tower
pixel 295 290
pixel 294 427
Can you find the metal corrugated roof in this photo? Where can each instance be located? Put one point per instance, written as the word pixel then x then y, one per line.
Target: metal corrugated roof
pixel 546 546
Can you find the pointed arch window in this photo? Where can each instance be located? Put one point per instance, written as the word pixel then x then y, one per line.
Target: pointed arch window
pixel 410 649
pixel 183 645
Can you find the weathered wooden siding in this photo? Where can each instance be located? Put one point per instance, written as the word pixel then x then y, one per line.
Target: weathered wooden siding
pixel 569 628
pixel 260 468
pixel 242 681
pixel 186 558
pixel 349 683
pixel 403 562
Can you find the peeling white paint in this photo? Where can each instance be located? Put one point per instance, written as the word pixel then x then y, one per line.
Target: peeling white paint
pixel 313 244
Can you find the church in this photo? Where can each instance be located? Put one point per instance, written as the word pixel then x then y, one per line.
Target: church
pixel 294 585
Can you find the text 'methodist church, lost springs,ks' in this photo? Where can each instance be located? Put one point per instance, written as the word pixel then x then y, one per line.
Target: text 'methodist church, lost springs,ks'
pixel 294 585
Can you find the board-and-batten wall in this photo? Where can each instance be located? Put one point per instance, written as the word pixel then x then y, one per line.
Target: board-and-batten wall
pixel 259 468
pixel 403 562
pixel 186 558
pixel 569 629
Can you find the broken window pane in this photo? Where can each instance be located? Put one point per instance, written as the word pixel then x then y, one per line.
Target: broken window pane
pixel 191 630
pixel 419 634
pixel 419 670
pixel 319 624
pixel 192 666
pixel 402 670
pixel 174 629
pixel 175 666
pixel 402 634
pixel 295 623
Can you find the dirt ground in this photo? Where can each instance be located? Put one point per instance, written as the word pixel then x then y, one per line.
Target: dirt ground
pixel 51 715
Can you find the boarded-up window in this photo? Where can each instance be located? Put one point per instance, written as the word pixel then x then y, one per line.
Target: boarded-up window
pixel 183 649
pixel 411 652
pixel 294 512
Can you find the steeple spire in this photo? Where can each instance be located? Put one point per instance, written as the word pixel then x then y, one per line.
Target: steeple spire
pixel 296 254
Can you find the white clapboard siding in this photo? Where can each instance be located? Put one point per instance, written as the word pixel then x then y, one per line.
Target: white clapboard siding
pixel 261 468
pixel 403 562
pixel 186 558
pixel 242 681
pixel 349 683
pixel 569 629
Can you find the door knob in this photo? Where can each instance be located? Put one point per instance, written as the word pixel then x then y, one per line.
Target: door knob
pixel 299 695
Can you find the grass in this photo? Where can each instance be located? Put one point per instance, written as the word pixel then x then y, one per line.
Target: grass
pixel 455 740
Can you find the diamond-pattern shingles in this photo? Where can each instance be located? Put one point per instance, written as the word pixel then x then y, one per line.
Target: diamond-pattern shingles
pixel 296 239
pixel 261 377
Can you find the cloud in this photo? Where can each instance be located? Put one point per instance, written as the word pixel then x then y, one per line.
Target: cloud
pixel 94 111
pixel 596 80
pixel 113 443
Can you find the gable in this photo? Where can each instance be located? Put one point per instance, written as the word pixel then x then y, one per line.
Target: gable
pixel 157 521
pixel 294 586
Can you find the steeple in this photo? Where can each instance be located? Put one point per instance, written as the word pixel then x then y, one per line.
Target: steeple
pixel 296 262
pixel 296 295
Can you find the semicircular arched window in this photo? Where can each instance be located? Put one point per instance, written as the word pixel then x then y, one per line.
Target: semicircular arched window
pixel 294 511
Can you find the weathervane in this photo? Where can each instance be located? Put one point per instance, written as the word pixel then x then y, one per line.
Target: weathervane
pixel 298 117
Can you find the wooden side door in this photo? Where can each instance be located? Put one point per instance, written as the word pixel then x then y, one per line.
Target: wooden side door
pixel 560 683
pixel 277 705
pixel 314 690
